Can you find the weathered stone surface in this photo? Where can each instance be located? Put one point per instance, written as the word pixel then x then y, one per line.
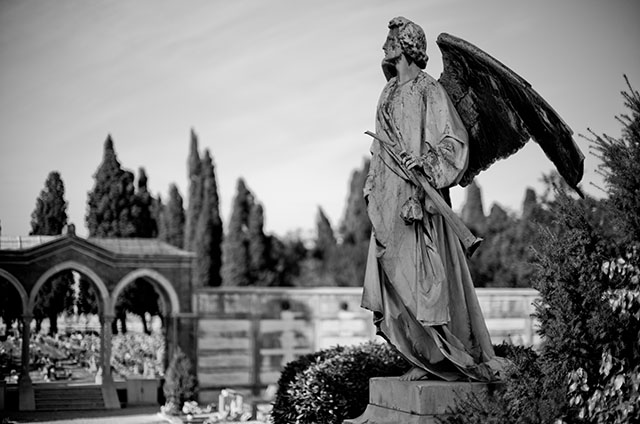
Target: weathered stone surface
pixel 415 402
pixel 501 112
pixel 379 415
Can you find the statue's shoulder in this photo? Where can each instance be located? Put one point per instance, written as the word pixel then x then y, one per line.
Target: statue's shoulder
pixel 423 83
pixel 389 88
pixel 430 86
pixel 390 83
pixel 427 78
pixel 428 82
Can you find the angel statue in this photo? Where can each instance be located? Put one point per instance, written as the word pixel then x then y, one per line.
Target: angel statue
pixel 431 135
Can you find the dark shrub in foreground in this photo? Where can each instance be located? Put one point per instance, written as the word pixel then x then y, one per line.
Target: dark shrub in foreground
pixel 332 385
pixel 510 402
pixel 588 276
pixel 283 410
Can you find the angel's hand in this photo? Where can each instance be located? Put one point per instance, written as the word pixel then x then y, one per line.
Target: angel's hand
pixel 410 161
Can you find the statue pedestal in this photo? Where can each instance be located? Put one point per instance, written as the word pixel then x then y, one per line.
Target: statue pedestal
pixel 392 401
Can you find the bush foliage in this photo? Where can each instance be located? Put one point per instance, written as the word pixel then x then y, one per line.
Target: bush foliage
pixel 588 275
pixel 180 384
pixel 332 385
pixel 283 412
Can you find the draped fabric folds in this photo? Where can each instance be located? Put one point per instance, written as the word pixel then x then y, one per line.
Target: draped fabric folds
pixel 417 281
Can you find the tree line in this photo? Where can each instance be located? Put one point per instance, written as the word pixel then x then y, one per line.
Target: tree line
pixel 120 205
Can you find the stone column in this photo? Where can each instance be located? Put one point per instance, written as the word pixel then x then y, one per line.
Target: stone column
pixel 175 323
pixel 109 393
pixel 25 387
pixel 169 338
pixel 105 348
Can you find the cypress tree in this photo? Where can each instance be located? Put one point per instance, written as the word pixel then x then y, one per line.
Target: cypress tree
pixel 195 193
pixel 110 205
pixel 235 248
pixel 10 304
pixel 529 204
pixel 498 219
pixel 325 238
pixel 202 267
pixel 323 263
pixel 350 260
pixel 117 209
pixel 272 262
pixel 87 302
pixel 258 245
pixel 50 214
pixel 209 230
pixel 158 211
pixel 473 210
pixel 111 201
pixel 252 257
pixel 172 218
pixel 356 226
pixel 140 297
pixel 48 218
pixel 126 225
pixel 142 211
pixel 286 261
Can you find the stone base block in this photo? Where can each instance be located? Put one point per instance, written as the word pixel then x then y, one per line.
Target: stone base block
pixel 142 391
pixel 110 396
pixel 392 401
pixel 26 395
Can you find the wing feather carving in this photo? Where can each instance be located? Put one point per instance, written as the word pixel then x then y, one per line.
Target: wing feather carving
pixel 502 112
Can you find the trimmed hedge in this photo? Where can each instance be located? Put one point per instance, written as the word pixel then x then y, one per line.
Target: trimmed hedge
pixel 283 412
pixel 329 386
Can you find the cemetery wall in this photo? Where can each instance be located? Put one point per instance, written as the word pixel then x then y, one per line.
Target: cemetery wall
pixel 245 336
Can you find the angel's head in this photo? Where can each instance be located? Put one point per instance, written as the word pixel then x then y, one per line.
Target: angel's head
pixel 405 37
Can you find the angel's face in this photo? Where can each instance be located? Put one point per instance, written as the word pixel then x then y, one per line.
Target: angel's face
pixel 392 49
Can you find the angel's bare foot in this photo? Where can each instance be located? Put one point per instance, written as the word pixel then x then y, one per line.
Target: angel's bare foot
pixel 414 374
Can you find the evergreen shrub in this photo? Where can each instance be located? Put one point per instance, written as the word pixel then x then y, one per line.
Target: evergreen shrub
pixel 587 368
pixel 180 384
pixel 509 402
pixel 333 385
pixel 588 276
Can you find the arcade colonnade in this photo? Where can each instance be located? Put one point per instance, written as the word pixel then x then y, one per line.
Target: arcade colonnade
pixel 27 263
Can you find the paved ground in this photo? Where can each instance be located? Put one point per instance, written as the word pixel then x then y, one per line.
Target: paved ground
pixel 137 415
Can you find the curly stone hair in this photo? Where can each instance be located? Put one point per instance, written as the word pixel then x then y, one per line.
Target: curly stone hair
pixel 412 40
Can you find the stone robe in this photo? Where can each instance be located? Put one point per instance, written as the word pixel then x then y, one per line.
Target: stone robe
pixel 417 280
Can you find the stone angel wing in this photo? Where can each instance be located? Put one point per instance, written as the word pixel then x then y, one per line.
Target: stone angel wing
pixel 502 112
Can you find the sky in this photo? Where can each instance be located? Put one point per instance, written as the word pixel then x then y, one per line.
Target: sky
pixel 279 91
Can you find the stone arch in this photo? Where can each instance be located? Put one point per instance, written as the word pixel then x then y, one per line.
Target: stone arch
pixel 103 292
pixel 158 278
pixel 24 297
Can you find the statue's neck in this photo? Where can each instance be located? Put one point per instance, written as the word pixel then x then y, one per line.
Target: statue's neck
pixel 406 71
